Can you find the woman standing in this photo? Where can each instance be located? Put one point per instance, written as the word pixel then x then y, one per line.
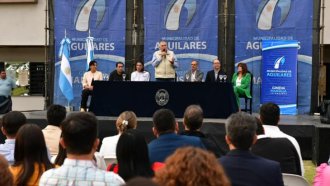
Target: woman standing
pixel 241 81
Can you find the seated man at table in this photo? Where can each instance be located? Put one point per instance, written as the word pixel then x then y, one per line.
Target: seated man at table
pixel 194 75
pixel 118 74
pixel 89 77
pixel 165 129
pixel 213 75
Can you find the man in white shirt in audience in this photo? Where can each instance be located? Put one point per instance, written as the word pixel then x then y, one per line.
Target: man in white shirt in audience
pixel 270 116
pixel 10 123
pixel 52 132
pixel 79 138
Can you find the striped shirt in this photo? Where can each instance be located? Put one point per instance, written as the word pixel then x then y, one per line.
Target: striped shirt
pixel 79 173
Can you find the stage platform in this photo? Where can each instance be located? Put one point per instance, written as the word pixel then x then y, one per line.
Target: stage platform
pixel 312 136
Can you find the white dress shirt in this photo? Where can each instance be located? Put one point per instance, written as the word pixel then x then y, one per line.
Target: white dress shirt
pixel 140 76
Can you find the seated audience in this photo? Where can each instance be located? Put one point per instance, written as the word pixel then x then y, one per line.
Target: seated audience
pixel 52 132
pixel 165 129
pixel 241 81
pixel 270 116
pixel 10 123
pixel 126 120
pixel 140 181
pixel 79 138
pixel 140 74
pixel 241 166
pixel 31 156
pixel 132 157
pixel 88 79
pixel 194 75
pixel 193 121
pixel 277 149
pixel 118 74
pixel 213 75
pixel 5 174
pixel 191 166
pixel 322 177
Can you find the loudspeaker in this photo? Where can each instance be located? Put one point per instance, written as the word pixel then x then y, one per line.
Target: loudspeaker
pixel 321 147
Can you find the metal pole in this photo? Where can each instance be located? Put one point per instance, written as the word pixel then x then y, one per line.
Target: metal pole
pixel 46 55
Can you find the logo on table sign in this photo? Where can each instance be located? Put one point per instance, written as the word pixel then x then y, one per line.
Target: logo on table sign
pixel 83 13
pixel 162 97
pixel 266 11
pixel 278 62
pixel 173 13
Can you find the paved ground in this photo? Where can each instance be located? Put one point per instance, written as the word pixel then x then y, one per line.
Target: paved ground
pixel 28 103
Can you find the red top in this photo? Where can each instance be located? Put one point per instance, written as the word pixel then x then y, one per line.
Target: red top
pixel 155 166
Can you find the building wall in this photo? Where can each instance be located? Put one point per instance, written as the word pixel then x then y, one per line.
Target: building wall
pixel 22 24
pixel 326 22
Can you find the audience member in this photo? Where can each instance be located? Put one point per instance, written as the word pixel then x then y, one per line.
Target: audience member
pixel 79 138
pixel 140 181
pixel 277 149
pixel 5 174
pixel 31 156
pixel 241 166
pixel 52 132
pixel 132 157
pixel 193 121
pixel 165 129
pixel 322 177
pixel 241 81
pixel 165 62
pixel 140 74
pixel 270 116
pixel 118 74
pixel 87 83
pixel 126 120
pixel 191 166
pixel 194 75
pixel 213 75
pixel 10 123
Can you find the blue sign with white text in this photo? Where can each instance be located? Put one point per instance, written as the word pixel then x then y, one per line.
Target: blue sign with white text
pixel 93 30
pixel 283 20
pixel 190 28
pixel 279 74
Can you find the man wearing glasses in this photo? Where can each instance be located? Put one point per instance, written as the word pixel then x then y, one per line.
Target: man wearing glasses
pixel 194 75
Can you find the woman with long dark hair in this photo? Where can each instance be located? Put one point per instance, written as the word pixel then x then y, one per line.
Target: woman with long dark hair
pixel 31 157
pixel 132 156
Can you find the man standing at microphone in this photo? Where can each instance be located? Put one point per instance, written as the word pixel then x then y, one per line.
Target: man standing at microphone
pixel 165 63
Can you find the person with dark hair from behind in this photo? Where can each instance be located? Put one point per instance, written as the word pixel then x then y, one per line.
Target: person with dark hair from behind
pixel 140 181
pixel 165 129
pixel 88 79
pixel 118 74
pixel 241 166
pixel 7 84
pixel 31 156
pixel 191 166
pixel 192 122
pixel 52 132
pixel 79 138
pixel 5 174
pixel 10 123
pixel 132 157
pixel 270 117
pixel 277 149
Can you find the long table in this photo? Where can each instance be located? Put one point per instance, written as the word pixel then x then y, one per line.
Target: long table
pixel 144 98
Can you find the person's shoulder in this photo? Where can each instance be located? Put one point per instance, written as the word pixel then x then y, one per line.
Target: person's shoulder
pixel 112 178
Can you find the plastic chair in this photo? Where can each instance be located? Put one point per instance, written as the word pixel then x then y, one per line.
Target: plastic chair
pixel 248 100
pixel 294 180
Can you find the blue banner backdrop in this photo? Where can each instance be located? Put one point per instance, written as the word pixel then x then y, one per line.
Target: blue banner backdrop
pixel 279 74
pixel 77 19
pixel 190 28
pixel 275 20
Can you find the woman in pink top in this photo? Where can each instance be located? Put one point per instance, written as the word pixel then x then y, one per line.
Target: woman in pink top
pixel 322 177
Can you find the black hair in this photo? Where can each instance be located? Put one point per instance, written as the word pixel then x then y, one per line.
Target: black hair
pixel 270 114
pixel 56 114
pixel 119 63
pixel 12 121
pixel 164 120
pixel 132 155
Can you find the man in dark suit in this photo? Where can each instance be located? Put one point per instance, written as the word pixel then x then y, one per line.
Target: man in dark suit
pixel 213 75
pixel 194 75
pixel 165 129
pixel 241 166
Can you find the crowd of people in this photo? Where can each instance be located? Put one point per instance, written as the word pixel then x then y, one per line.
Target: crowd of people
pixel 65 152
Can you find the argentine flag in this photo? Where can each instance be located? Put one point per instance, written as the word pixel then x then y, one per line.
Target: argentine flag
pixel 65 81
pixel 90 51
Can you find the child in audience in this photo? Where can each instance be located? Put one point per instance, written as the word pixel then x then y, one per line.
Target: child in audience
pixel 31 156
pixel 126 120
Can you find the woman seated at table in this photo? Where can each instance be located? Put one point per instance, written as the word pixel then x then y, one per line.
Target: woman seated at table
pixel 241 81
pixel 139 74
